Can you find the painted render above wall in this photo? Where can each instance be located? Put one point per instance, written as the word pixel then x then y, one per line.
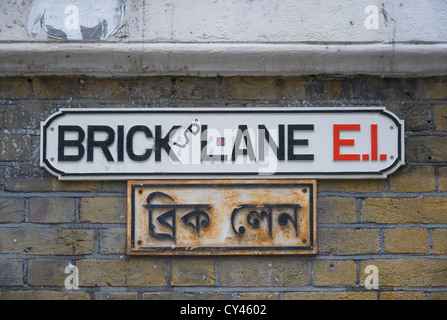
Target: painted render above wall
pixel 208 38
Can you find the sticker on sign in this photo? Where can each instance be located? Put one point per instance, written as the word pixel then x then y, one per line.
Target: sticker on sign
pixel 160 143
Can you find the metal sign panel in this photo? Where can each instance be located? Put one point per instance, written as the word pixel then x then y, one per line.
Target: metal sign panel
pixel 207 217
pixel 122 144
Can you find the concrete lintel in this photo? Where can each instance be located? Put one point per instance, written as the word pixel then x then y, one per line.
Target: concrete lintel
pixel 108 59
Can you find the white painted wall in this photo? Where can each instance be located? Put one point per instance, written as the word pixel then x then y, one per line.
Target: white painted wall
pixel 209 37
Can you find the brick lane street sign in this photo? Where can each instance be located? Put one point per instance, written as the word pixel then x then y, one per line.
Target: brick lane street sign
pixel 213 143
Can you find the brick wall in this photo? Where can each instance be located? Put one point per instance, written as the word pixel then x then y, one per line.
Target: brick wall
pixel 398 224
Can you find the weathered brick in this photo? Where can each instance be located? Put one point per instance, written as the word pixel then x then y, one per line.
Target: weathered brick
pixel 440 241
pixel 440 117
pixel 402 295
pixel 47 272
pixel 442 179
pixel 103 210
pixel 114 186
pixel 408 272
pixel 14 88
pixel 406 240
pixel 196 88
pixel 98 88
pixel 405 210
pixel 348 241
pixel 426 149
pixel 336 210
pixel 12 209
pixel 11 273
pixel 265 88
pixel 150 88
pixel 179 295
pixel 434 88
pixel 115 296
pixel 192 272
pixel 417 116
pixel 51 210
pixel 112 240
pixel 440 295
pixel 33 179
pixel 327 295
pixel 44 295
pixel 15 147
pixel 334 273
pixel 334 89
pixel 132 272
pixel 46 241
pixel 403 179
pixel 28 116
pixel 258 296
pixel 55 88
pixel 262 272
pixel 327 87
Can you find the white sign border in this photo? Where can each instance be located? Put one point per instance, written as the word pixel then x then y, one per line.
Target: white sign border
pixel 399 159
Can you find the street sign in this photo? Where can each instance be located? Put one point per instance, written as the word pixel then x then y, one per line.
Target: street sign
pixel 204 217
pixel 211 143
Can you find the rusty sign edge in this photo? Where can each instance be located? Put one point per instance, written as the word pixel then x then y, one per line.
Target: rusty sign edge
pixel 215 251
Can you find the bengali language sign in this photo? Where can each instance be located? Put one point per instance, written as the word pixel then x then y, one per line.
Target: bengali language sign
pixel 202 217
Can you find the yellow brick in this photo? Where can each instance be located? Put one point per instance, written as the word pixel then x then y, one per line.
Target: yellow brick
pixel 258 296
pixel 440 241
pixel 196 88
pixel 344 295
pixel 376 185
pixel 265 88
pixel 14 88
pixel 336 210
pixel 263 271
pixel 440 295
pixel 44 295
pixel 192 272
pixel 133 272
pixel 97 88
pixel 55 87
pixel 348 241
pixel 442 179
pixel 179 295
pixel 403 180
pixel 47 272
pixel 406 240
pixel 116 296
pixel 440 117
pixel 429 148
pixel 60 241
pixel 334 273
pixel 402 295
pixel 150 88
pixel 103 210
